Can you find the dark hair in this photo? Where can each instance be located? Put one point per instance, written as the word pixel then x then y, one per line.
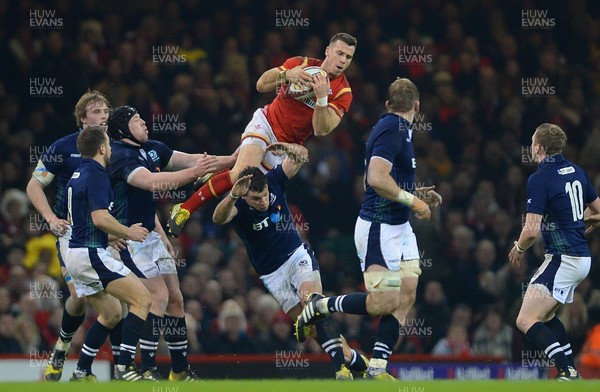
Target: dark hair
pixel 344 37
pixel 402 95
pixel 258 181
pixel 90 140
pixel 551 137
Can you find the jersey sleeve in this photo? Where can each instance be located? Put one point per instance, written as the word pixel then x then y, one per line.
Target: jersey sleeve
pixel 536 195
pixel 98 192
pixel 387 145
pixel 164 153
pixel 342 100
pixel 53 158
pixel 590 193
pixel 278 177
pixel 122 165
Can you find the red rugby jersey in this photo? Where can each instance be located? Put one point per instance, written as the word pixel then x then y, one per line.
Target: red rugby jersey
pixel 291 118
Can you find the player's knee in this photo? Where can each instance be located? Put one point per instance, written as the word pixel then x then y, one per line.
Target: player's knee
pixel 382 303
pixel 175 300
pixel 160 297
pixel 110 318
pixel 523 323
pixel 76 306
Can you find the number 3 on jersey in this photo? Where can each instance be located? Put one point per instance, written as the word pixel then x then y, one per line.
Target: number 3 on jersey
pixel 575 192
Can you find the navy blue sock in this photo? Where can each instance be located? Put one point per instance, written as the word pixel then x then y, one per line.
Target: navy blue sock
pixel 131 334
pixel 355 303
pixel 328 335
pixel 69 326
pixel 116 338
pixel 149 340
pixel 94 339
pixel 547 341
pixel 175 333
pixel 559 330
pixel 356 362
pixel 387 335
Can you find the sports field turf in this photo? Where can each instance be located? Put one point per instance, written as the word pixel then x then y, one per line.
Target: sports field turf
pixel 309 386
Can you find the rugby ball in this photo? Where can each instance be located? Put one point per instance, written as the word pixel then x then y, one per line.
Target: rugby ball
pixel 300 91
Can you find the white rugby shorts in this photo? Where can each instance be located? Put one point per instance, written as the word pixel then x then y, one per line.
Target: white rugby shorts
pixel 284 282
pixel 383 244
pixel 559 275
pixel 150 258
pixel 259 132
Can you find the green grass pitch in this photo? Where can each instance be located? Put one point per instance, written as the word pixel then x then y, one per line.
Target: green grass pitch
pixel 308 386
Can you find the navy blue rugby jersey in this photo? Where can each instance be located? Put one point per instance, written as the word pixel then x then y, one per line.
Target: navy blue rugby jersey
pixel 390 139
pixel 559 191
pixel 61 159
pixel 88 190
pixel 132 204
pixel 271 236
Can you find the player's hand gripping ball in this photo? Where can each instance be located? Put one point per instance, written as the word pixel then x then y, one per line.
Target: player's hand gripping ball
pixel 301 91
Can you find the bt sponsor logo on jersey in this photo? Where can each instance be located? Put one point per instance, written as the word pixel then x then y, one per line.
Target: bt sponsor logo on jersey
pixel 261 225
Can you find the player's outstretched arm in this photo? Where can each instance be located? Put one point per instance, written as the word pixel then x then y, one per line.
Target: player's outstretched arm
pixel 379 178
pixel 226 210
pixel 213 163
pixel 107 223
pixel 297 155
pixel 144 179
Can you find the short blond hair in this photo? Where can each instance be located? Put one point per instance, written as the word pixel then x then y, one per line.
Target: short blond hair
pixel 551 137
pixel 93 96
pixel 402 95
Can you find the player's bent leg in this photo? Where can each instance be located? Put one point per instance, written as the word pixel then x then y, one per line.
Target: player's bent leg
pixel 132 291
pixel 109 315
pixel 73 317
pixel 539 307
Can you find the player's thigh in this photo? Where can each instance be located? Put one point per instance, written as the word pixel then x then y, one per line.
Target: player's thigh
pixel 108 307
pixel 538 305
pixel 384 288
pixel 249 155
pixel 130 290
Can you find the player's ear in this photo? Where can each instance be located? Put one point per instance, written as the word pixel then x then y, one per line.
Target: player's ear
pixel 387 105
pixel 417 106
pixel 327 50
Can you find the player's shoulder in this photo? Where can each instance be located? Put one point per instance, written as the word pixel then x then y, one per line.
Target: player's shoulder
pixel 121 150
pixel 66 142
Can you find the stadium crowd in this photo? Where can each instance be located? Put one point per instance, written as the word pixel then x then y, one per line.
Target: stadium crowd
pixel 190 69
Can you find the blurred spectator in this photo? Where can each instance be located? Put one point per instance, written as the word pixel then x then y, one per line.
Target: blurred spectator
pixel 493 336
pixel 8 342
pixel 280 337
pixel 28 335
pixel 433 313
pixel 456 343
pixel 232 337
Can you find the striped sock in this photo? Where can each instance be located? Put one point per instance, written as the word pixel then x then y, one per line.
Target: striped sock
pixel 94 339
pixel 356 362
pixel 69 326
pixel 328 334
pixel 116 337
pixel 355 303
pixel 559 330
pixel 149 340
pixel 175 333
pixel 131 334
pixel 387 335
pixel 546 340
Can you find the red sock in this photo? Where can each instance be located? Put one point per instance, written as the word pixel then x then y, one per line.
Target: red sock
pixel 215 187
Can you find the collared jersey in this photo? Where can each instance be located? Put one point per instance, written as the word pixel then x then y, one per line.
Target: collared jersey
pixel 390 139
pixel 291 118
pixel 61 159
pixel 559 191
pixel 132 204
pixel 270 236
pixel 88 190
